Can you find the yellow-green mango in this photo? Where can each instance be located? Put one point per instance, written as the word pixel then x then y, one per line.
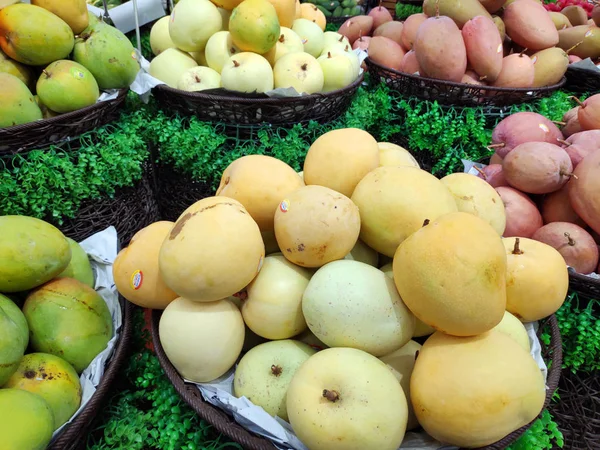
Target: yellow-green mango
pixel 53 379
pixel 79 267
pixel 66 86
pixel 582 41
pixel 29 423
pixel 32 252
pixel 69 319
pixel 12 340
pixel 254 26
pixel 14 313
pixel 17 106
pixel 108 54
pixel 461 11
pixel 46 113
pixel 31 35
pixel 73 12
pixel 549 66
pixel 21 71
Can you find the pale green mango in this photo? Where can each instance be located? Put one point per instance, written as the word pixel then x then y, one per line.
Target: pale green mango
pixel 53 379
pixel 109 55
pixel 11 347
pixel 68 319
pixel 32 252
pixel 29 424
pixel 66 86
pixel 17 106
pixel 79 267
pixel 16 315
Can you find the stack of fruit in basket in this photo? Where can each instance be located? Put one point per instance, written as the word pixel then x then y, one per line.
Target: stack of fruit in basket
pixel 361 257
pixel 549 181
pixel 204 45
pixel 61 327
pixel 335 8
pixel 36 41
pixel 514 43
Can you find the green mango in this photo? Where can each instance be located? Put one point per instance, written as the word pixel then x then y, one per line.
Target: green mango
pixel 12 342
pixel 14 313
pixel 32 252
pixel 21 71
pixel 17 106
pixel 66 86
pixel 68 319
pixel 108 55
pixel 30 423
pixel 79 267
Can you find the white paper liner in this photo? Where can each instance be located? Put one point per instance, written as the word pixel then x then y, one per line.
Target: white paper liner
pixel 469 167
pixel 102 251
pixel 257 420
pixel 144 82
pixel 123 16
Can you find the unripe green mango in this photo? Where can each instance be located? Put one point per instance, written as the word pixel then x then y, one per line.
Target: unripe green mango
pixel 79 267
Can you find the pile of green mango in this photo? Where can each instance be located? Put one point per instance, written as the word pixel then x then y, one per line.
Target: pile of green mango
pixel 53 323
pixel 50 66
pixel 335 8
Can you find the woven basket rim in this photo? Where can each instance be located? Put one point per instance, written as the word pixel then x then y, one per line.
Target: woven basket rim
pixel 553 87
pixel 65 116
pixel 227 426
pixel 582 284
pixel 72 434
pixel 258 100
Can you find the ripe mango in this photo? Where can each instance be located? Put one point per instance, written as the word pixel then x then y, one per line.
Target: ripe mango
pixel 517 71
pixel 529 25
pixel 108 55
pixel 73 12
pixel 560 20
pixel 31 35
pixel 549 66
pixel 440 49
pixel 501 27
pixel 409 31
pixel 15 68
pixel 461 11
pixel 66 86
pixel 484 47
pixel 582 41
pixel 492 6
pixel 17 105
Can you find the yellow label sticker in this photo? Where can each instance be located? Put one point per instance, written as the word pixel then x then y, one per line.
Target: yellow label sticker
pixel 77 73
pixel 284 206
pixel 534 59
pixel 499 48
pixel 137 278
pixel 133 55
pixel 260 263
pixel 544 128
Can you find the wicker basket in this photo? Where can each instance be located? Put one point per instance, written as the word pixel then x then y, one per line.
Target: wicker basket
pixel 131 209
pixel 234 109
pixel 226 425
pixel 74 435
pixel 492 99
pixel 176 191
pixel 582 81
pixel 589 287
pixel 42 133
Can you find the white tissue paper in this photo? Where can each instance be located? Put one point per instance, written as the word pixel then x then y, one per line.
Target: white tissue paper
pixel 255 419
pixel 123 16
pixel 469 167
pixel 586 66
pixel 102 251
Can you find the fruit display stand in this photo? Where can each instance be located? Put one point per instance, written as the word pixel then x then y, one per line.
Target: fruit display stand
pixel 493 99
pixel 42 133
pixel 226 425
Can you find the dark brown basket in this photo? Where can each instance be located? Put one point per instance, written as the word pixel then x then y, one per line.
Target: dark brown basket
pixel 74 435
pixel 491 99
pixel 177 191
pixel 578 410
pixel 235 109
pixel 131 209
pixel 42 133
pixel 589 287
pixel 226 425
pixel 582 81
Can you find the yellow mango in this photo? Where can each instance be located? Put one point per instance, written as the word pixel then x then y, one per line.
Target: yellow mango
pixel 73 12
